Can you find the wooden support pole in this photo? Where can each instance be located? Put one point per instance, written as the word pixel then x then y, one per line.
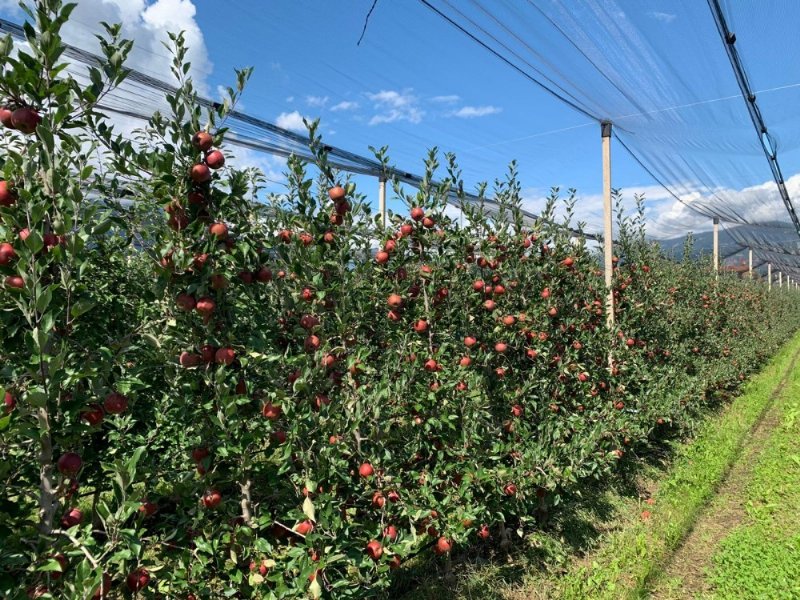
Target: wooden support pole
pixel 769 276
pixel 716 246
pixel 780 279
pixel 750 263
pixel 382 199
pixel 608 234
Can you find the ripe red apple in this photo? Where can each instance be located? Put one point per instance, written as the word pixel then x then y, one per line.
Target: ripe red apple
pixel 304 527
pixel 309 322
pixel 583 377
pixel 417 213
pixel 509 320
pixel 390 531
pixel 366 470
pixel 421 326
pixel 25 119
pixel 393 315
pixel 311 343
pixel 212 498
pixel 470 341
pixel 406 229
pixel 186 302
pixel 264 275
pixel 205 306
pixel 546 293
pixel 619 405
pixel 443 546
pixel 568 262
pixel 15 282
pixel 500 347
pixel 489 305
pixel 71 518
pixel 378 499
pixel 478 285
pixel 218 230
pixel 200 173
pixel 553 311
pixel 5 117
pixel 427 222
pixel 465 361
pixel 395 300
pixel 307 294
pixel 9 402
pixel 271 411
pixel 8 197
pixel 517 410
pixel 202 140
pixel 147 508
pixel 337 193
pixel 215 159
pixel 69 464
pixel 382 257
pixel 374 550
pixel 224 356
pixel 393 496
pixel 196 198
pixel 137 580
pixel 305 238
pixel 115 403
pixel 431 365
pixel 93 415
pixel 510 489
pixel 7 253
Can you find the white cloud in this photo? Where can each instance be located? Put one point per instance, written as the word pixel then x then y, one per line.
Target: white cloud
pixel 395 106
pixel 470 112
pixel 318 101
pixel 446 99
pixel 662 16
pixel 290 98
pixel 345 105
pixel 291 120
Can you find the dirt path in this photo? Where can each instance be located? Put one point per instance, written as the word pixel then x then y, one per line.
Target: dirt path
pixel 685 575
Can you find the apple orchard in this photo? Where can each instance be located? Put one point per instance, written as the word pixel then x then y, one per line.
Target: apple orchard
pixel 214 392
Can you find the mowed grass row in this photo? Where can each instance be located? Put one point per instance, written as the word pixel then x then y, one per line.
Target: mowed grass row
pixel 761 557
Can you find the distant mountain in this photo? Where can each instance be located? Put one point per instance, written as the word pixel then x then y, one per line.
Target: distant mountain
pixel 703 245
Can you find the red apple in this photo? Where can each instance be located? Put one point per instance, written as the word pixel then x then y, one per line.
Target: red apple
pixel 382 257
pixel 200 173
pixel 271 411
pixel 15 282
pixel 510 489
pixel 465 361
pixel 137 580
pixel 500 347
pixel 5 117
pixel 147 508
pixel 212 499
pixel 71 518
pixel 205 306
pixel 393 496
pixel 390 531
pixel 470 341
pixel 93 415
pixel 224 356
pixel 336 193
pixel 115 403
pixel 366 470
pixel 378 499
pixel 202 140
pixel 546 293
pixel 218 230
pixel 69 464
pixel 417 213
pixel 427 222
pixel 304 527
pixel 8 196
pixel 311 343
pixel 484 532
pixel 25 119
pixel 395 300
pixel 219 281
pixel 103 589
pixel 263 275
pixel 374 550
pixel 421 326
pixel 186 302
pixel 7 253
pixel 443 546
pixel 215 159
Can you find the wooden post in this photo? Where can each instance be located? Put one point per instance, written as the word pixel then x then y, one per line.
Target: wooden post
pixel 716 246
pixel 780 279
pixel 769 276
pixel 382 198
pixel 750 263
pixel 608 234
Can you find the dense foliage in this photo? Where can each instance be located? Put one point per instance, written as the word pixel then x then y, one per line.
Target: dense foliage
pixel 211 395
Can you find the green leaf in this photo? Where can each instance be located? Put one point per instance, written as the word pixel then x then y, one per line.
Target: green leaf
pixel 81 306
pixel 308 509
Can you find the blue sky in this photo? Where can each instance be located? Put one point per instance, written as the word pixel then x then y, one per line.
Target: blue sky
pixel 415 82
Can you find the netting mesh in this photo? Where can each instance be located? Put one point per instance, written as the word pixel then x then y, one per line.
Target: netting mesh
pixel 660 73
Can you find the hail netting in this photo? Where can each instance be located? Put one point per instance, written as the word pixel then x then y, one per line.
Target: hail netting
pixel 660 72
pixel 141 95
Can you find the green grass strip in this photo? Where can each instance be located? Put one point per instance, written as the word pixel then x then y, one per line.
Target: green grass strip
pixel 761 557
pixel 632 556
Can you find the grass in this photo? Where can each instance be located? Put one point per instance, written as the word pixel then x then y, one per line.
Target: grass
pixel 761 557
pixel 605 546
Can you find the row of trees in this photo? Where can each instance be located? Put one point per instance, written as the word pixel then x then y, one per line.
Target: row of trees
pixel 208 395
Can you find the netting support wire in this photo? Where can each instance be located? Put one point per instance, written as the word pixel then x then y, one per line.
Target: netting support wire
pixel 382 199
pixel 608 239
pixel 770 151
pixel 769 276
pixel 716 246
